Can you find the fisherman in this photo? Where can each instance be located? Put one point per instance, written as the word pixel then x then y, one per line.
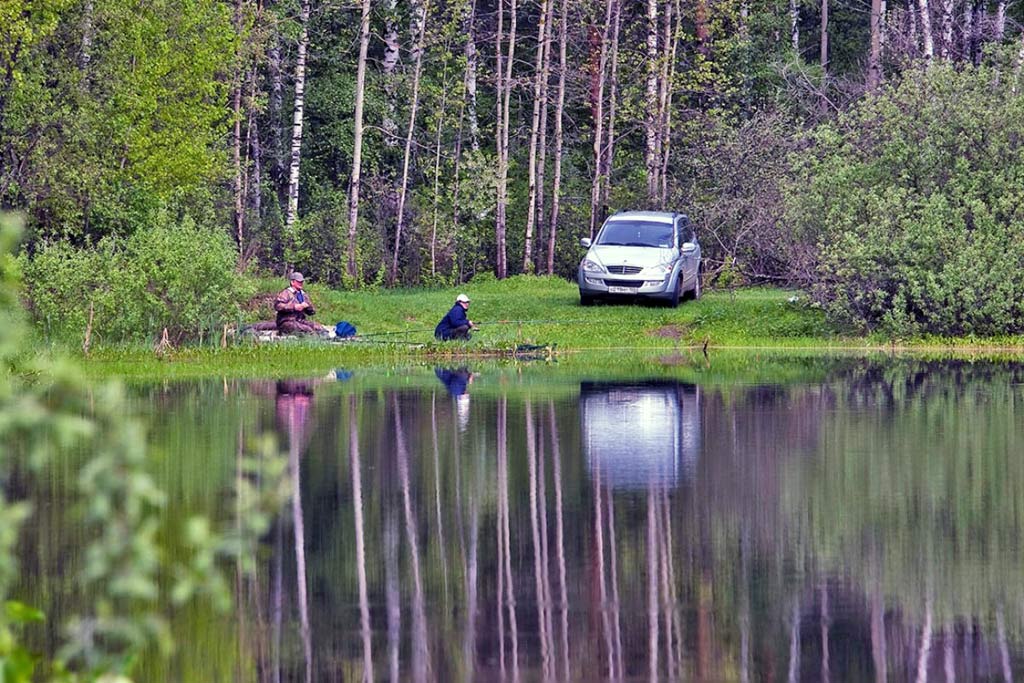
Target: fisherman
pixel 455 324
pixel 292 306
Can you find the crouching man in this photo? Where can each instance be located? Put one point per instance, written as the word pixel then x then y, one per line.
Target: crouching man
pixel 455 324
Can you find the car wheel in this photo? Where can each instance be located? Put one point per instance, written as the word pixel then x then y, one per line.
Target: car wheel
pixel 676 293
pixel 698 289
pixel 586 300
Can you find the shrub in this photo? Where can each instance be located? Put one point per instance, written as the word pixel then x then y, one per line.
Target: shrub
pixel 913 202
pixel 169 275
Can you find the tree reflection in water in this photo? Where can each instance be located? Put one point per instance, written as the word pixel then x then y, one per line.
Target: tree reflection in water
pixel 865 523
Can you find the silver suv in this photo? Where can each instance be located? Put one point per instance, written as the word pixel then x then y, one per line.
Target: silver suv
pixel 651 254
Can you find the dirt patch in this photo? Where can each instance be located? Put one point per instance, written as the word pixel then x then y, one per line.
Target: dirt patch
pixel 676 332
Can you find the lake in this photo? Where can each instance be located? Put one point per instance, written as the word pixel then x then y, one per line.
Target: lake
pixel 817 518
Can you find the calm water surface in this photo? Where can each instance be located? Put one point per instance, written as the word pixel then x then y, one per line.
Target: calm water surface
pixel 854 520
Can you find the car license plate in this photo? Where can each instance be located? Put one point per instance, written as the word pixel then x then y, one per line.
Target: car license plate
pixel 621 290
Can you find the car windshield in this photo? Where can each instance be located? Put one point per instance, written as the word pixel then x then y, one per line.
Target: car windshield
pixel 636 234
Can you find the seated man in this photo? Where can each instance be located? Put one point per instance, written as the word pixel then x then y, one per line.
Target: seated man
pixel 292 306
pixel 455 324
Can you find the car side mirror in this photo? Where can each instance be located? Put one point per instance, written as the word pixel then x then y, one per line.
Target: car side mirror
pixel 585 242
pixel 688 248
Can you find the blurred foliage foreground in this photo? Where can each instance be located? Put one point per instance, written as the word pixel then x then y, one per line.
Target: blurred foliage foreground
pixel 49 417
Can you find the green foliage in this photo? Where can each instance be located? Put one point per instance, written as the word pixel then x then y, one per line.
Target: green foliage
pixel 913 200
pixel 58 414
pixel 117 106
pixel 171 275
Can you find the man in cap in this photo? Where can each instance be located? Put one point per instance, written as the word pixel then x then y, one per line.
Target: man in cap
pixel 456 324
pixel 292 306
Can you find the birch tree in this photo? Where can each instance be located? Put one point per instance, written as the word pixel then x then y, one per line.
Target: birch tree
pixel 926 30
pixel 540 77
pixel 595 188
pixel 874 78
pixel 388 66
pixel 613 98
pixel 470 52
pixel 420 12
pixel 651 156
pixel 556 180
pixel 297 114
pixel 357 141
pixel 236 139
pixel 504 83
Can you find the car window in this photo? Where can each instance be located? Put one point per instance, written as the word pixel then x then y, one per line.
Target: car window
pixel 685 231
pixel 636 234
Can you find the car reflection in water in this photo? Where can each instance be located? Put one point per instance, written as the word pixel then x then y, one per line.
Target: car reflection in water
pixel 640 434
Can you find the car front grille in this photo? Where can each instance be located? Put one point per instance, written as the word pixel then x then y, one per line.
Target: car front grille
pixel 624 270
pixel 624 283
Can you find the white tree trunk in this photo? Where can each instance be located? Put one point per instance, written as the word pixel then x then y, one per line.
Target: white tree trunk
pixel 540 76
pixel 794 26
pixel 613 98
pixel 471 68
pixel 875 51
pixel 947 30
pixel 388 65
pixel 823 55
pixel 357 140
pixel 504 98
pixel 652 158
pixel 300 104
pixel 1000 27
pixel 926 29
pixel 595 188
pixel 419 18
pixel 542 144
pixel 556 180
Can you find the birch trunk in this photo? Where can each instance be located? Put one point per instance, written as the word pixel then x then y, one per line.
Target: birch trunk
pixel 595 189
pixel 542 152
pixel 664 100
pixel 947 30
pixel 794 27
pixel 823 55
pixel 653 118
pixel 357 140
pixel 88 34
pixel 471 67
pixel 875 51
pixel 540 76
pixel 388 66
pixel 504 98
pixel 1000 25
pixel 556 181
pixel 236 147
pixel 420 13
pixel 613 98
pixel 926 30
pixel 300 104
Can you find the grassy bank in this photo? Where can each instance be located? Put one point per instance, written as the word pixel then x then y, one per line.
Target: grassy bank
pixel 396 330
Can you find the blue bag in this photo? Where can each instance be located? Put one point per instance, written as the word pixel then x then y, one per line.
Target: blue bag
pixel 345 329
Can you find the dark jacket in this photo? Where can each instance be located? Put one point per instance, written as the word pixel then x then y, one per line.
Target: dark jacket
pixel 285 304
pixel 454 319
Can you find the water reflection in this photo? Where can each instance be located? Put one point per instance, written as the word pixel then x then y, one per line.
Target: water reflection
pixel 638 435
pixel 862 523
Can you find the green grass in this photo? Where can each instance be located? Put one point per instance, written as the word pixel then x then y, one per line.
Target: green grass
pixel 396 330
pixel 549 311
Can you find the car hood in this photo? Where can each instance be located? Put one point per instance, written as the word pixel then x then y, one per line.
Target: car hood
pixel 645 257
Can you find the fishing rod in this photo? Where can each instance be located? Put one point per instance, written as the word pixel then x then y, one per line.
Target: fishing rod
pixel 482 322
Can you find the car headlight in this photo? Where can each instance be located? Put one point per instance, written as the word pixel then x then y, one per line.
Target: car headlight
pixel 592 266
pixel 661 270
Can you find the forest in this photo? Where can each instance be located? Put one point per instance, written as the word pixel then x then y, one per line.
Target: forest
pixel 867 152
